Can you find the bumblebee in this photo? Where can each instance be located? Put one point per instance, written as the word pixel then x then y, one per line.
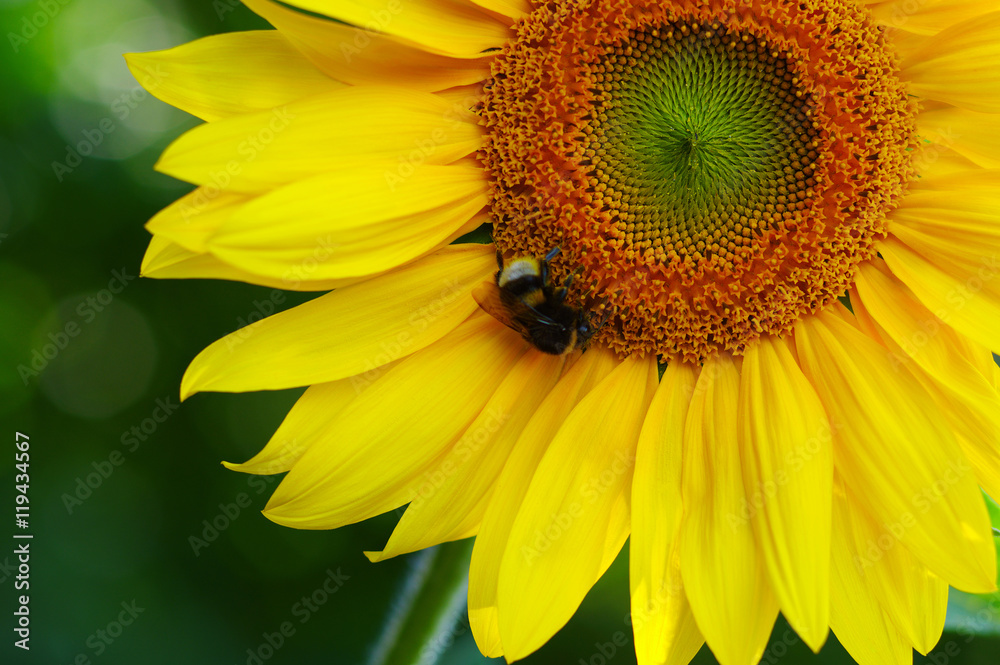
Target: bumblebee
pixel 522 299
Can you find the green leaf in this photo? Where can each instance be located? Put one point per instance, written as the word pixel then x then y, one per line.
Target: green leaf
pixel 429 608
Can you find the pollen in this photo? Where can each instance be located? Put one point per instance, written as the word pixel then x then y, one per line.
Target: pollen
pixel 710 171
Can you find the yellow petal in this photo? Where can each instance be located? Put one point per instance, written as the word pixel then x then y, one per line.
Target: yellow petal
pixel 368 460
pixel 443 26
pixel 897 454
pixel 512 9
pixel 575 510
pixel 365 223
pixel 917 337
pixel 664 628
pixel 165 259
pixel 351 126
pixel 914 600
pixel 724 574
pixel 966 202
pixel 788 475
pixel 949 68
pixel 313 412
pixel 928 17
pixel 230 74
pixel 939 159
pixel 453 494
pixel 904 42
pixel 974 135
pixel 192 219
pixel 857 616
pixel 963 296
pixel 349 331
pixel 361 56
pixel 580 380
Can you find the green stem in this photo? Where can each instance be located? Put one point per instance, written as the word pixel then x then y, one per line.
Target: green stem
pixel 426 615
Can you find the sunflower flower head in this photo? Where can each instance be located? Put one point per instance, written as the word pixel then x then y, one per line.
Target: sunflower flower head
pixel 717 173
pixel 785 217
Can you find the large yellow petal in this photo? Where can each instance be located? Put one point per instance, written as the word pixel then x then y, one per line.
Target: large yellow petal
pixel 724 573
pixel 857 616
pixel 372 456
pixel 966 297
pixel 914 599
pixel 955 66
pixel 366 223
pixel 348 127
pixel 350 331
pixel 966 202
pixel 973 405
pixel 165 259
pixel 579 381
pixel 788 475
pixel 313 413
pixel 897 453
pixel 511 9
pixel 939 159
pixel 192 219
pixel 230 74
pixel 575 510
pixel 443 26
pixel 974 135
pixel 453 494
pixel 361 56
pixel 664 628
pixel 928 17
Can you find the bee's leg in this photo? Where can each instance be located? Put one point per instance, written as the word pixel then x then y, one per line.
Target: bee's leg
pixel 543 265
pixel 605 316
pixel 496 277
pixel 559 295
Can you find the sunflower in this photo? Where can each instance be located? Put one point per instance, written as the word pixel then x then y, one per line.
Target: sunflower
pixel 786 214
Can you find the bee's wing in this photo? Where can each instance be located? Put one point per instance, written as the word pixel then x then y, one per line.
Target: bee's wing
pixel 487 295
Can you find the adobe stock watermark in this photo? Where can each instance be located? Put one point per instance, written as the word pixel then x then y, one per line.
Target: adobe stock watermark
pixel 969 628
pixel 592 489
pixel 121 108
pixel 425 147
pixel 252 145
pixel 396 346
pixel 229 512
pixel 304 269
pixel 793 462
pixel 261 310
pixel 85 486
pixel 292 278
pixel 39 15
pixel 778 649
pixel 902 12
pixel 871 552
pixel 380 20
pixel 223 7
pixel 302 610
pixel 101 640
pixel 604 652
pixel 87 310
pixel 470 443
pixel 956 299
pixel 7 569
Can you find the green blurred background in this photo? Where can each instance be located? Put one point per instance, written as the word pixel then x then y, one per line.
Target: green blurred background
pixel 117 497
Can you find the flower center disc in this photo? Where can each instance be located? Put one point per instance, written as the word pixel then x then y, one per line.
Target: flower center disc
pixel 713 173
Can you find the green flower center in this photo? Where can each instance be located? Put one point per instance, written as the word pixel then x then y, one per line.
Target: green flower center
pixel 701 129
pixel 711 171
